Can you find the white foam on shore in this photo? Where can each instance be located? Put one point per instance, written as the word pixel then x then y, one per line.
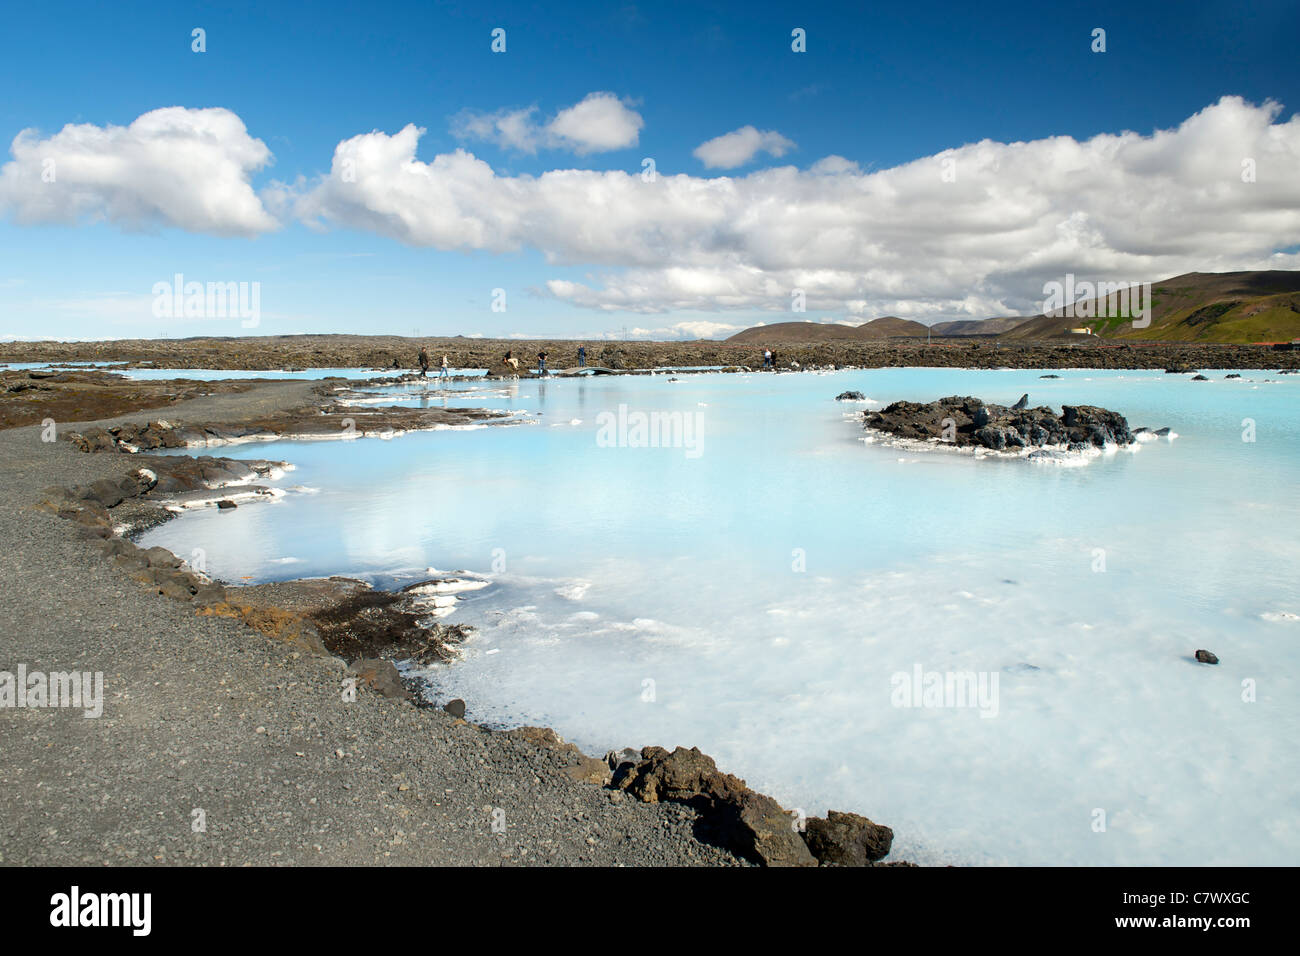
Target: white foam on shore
pixel 1062 455
pixel 220 494
pixel 449 586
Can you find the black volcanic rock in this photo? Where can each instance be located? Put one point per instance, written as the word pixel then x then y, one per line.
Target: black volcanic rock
pixel 850 397
pixel 847 839
pixel 969 422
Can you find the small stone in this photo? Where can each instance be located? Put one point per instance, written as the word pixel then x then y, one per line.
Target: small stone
pixel 1207 657
pixel 455 707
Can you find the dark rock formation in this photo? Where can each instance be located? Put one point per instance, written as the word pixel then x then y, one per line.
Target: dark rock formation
pixel 850 397
pixel 750 823
pixel 968 422
pixel 1206 657
pixel 455 707
pixel 846 839
pixel 1199 378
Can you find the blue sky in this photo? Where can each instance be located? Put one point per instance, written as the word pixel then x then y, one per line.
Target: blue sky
pixel 879 87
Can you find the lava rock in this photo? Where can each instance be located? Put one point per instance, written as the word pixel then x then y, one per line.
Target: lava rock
pixel 380 676
pixel 967 422
pixel 1207 657
pixel 847 839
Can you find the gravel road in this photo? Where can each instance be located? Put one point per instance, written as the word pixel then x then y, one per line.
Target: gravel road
pixel 207 721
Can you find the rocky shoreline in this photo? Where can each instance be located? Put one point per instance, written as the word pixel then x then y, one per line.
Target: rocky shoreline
pixel 382 351
pixel 369 630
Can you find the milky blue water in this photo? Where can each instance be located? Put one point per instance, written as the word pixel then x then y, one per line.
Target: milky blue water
pixel 755 591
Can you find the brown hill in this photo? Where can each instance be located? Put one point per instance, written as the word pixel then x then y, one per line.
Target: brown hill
pixel 891 327
pixel 795 333
pixel 802 333
pixel 978 326
pixel 1232 307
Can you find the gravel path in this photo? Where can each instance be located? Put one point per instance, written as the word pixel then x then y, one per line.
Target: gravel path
pixel 204 714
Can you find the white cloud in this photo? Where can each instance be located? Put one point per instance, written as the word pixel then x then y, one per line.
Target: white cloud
pixel 600 123
pixel 899 241
pixel 902 241
pixel 740 146
pixel 187 168
pixel 509 129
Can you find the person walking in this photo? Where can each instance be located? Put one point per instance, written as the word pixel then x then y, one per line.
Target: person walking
pixel 582 356
pixel 443 372
pixel 424 362
pixel 767 358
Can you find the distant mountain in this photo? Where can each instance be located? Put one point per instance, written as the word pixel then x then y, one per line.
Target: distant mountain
pixel 795 333
pixel 978 326
pixel 1232 307
pixel 891 327
pixel 804 333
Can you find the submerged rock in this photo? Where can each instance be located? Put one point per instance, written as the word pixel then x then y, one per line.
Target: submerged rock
pixel 850 396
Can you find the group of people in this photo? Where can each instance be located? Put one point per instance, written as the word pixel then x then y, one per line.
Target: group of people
pixel 769 358
pixel 513 363
pixel 509 362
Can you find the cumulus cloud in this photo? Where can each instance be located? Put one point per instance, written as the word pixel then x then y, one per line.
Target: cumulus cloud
pixel 600 123
pixel 740 146
pixel 970 232
pixel 188 168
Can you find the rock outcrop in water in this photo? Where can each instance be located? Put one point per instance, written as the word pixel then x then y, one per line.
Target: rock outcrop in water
pixel 970 422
